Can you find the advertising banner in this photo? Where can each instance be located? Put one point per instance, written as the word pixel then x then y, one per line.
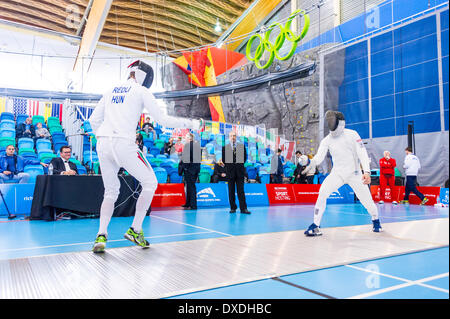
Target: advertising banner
pixel 280 193
pixel 306 193
pixel 255 195
pixel 443 196
pixel 344 195
pixel 18 197
pixel 211 194
pixel 390 195
pixel 167 195
pixel 428 191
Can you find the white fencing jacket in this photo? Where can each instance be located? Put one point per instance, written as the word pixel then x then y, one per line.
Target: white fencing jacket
pixel 411 165
pixel 118 112
pixel 347 151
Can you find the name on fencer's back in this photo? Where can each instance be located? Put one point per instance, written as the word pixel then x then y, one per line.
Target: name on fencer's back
pixel 119 98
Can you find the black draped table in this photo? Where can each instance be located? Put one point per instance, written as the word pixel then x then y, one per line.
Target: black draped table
pixel 80 194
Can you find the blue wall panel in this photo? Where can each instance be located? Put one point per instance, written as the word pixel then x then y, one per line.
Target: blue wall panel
pixel 444 43
pixel 445 86
pixel 405 8
pixel 404 71
pixel 417 51
pixel 383 107
pixel 416 76
pixel 382 61
pixel 355 112
pixel 383 128
pixel 383 84
pixel 361 128
pixel 381 42
pixel 356 69
pixel 424 123
pixel 353 92
pixel 446 119
pixel 417 101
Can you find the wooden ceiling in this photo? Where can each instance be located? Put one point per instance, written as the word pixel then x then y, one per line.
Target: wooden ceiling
pixel 146 25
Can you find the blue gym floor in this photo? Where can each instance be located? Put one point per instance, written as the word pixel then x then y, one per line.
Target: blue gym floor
pixel 420 275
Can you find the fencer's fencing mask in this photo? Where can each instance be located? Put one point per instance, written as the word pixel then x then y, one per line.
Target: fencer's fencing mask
pixel 142 72
pixel 335 121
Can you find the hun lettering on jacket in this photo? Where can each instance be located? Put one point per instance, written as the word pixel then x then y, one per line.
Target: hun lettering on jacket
pixel 118 99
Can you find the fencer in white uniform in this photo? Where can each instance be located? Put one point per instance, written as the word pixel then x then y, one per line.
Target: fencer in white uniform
pixel 348 155
pixel 114 123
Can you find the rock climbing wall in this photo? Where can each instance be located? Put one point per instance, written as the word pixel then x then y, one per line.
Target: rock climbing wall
pixel 176 79
pixel 291 107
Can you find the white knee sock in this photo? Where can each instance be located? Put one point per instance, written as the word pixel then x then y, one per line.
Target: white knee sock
pixel 106 212
pixel 318 212
pixel 142 205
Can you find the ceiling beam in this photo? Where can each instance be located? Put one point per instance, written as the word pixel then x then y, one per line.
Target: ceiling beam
pixel 28 14
pixel 91 34
pixel 260 10
pixel 166 18
pixel 160 34
pixel 156 42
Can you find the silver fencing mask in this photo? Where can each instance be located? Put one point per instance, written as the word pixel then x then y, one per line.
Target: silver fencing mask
pixel 335 121
pixel 142 72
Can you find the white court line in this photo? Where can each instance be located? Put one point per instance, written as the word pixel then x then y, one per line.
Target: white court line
pixel 397 217
pixel 178 222
pixel 407 283
pixel 90 243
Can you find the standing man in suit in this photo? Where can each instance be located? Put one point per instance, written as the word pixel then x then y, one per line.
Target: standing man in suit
pixel 61 165
pixel 276 168
pixel 234 156
pixel 190 159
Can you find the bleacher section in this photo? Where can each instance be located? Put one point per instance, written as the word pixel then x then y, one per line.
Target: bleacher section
pixel 165 167
pixel 43 150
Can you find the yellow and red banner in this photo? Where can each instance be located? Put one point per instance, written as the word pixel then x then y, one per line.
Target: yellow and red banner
pixel 203 66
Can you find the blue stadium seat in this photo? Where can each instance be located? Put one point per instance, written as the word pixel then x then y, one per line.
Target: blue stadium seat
pixel 10 124
pixel 8 116
pixel 81 170
pixel 251 171
pixel 154 151
pixel 7 132
pixel 21 118
pixel 265 178
pixel 59 136
pixel 43 144
pixel 87 126
pixel 30 156
pixel 210 148
pixel 175 178
pixel 162 156
pixel 25 142
pixel 161 174
pixel 148 143
pixel 57 145
pixel 33 170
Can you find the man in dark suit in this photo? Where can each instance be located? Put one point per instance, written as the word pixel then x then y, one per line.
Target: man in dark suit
pixel 299 178
pixel 234 156
pixel 276 168
pixel 190 160
pixel 61 165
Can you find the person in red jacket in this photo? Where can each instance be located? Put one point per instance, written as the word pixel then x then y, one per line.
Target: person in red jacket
pixel 387 175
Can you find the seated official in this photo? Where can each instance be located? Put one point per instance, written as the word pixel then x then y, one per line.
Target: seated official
pixel 61 165
pixel 12 166
pixel 220 173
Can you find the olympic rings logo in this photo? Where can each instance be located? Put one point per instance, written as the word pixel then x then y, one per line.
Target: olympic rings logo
pixel 265 44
